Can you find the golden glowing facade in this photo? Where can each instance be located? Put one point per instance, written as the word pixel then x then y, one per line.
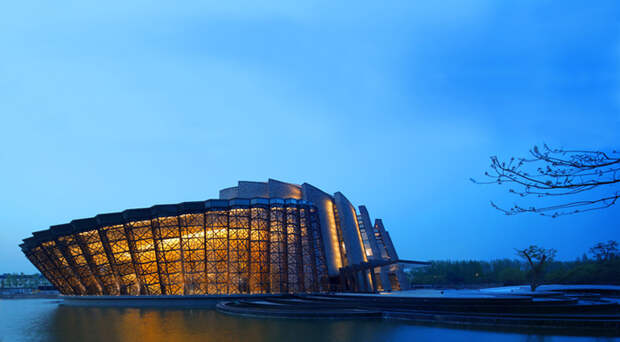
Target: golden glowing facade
pixel 216 247
pixel 258 238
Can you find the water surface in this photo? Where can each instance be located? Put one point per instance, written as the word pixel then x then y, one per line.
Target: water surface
pixel 46 320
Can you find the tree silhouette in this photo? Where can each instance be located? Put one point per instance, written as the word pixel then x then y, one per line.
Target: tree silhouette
pixel 558 173
pixel 537 258
pixel 605 251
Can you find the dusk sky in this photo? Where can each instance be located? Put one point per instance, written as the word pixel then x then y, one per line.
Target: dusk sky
pixel 112 105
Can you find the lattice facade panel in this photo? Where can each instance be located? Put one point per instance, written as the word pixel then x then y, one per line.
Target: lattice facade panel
pixel 216 230
pixel 259 249
pixel 121 259
pixel 40 259
pixel 267 247
pixel 81 267
pixel 99 263
pixel 167 235
pixel 140 238
pixel 293 251
pixel 65 271
pixel 277 250
pixel 193 248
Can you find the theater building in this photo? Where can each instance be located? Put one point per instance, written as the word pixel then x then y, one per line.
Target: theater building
pixel 257 238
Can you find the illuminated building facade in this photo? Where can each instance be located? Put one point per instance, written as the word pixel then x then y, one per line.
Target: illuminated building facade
pixel 257 238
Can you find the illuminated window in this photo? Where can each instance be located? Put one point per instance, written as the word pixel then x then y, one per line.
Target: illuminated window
pixel 141 239
pixel 266 248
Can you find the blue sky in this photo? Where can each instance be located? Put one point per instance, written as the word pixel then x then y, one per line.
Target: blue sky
pixel 109 106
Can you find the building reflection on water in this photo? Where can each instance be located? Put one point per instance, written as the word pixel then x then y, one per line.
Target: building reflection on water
pixel 172 325
pixel 46 320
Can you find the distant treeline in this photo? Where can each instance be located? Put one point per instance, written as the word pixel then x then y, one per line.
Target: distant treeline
pixel 514 272
pixel 20 280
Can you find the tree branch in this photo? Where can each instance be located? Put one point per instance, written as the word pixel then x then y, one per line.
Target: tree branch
pixel 558 172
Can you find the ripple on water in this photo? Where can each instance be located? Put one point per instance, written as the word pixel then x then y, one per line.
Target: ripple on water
pixel 45 320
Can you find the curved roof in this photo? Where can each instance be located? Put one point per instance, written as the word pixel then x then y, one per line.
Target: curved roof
pixel 160 210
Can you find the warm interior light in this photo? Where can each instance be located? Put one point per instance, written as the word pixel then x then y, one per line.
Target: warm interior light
pixel 241 250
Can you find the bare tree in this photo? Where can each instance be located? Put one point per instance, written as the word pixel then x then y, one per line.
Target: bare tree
pixel 558 172
pixel 537 258
pixel 605 251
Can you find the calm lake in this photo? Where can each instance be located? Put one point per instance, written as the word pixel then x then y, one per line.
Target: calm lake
pixel 46 320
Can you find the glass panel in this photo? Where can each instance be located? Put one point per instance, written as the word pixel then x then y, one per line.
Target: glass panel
pixel 141 240
pixel 293 248
pixel 50 271
pixel 193 247
pixel 101 266
pixel 62 265
pixel 227 251
pixel 277 251
pixel 168 249
pixel 74 251
pixel 121 259
pixel 309 267
pixel 319 252
pixel 259 251
pixel 216 240
pixel 238 251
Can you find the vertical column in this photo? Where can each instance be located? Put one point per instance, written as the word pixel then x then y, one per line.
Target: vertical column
pixel 238 251
pixel 50 271
pixel 132 250
pixel 259 249
pixel 167 237
pixel 193 253
pixel 159 258
pixel 110 257
pixel 59 265
pixel 385 279
pixel 277 248
pixel 120 256
pixel 293 250
pixel 321 269
pixel 373 277
pixel 140 233
pixel 89 239
pixel 363 277
pixel 307 252
pixel 82 240
pixel 60 257
pixel 87 265
pixel 77 282
pixel 216 230
pixel 80 264
pixel 227 250
pixel 183 279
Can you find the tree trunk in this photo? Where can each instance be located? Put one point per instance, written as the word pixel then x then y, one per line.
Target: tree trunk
pixel 536 274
